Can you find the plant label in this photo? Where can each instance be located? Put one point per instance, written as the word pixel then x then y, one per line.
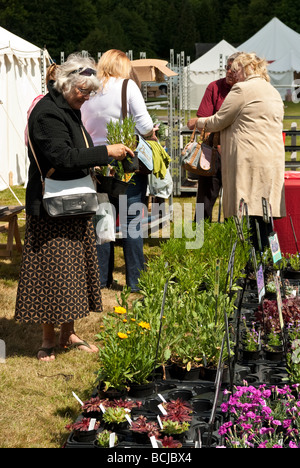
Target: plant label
pixel 153 442
pixel 279 301
pixel 159 422
pixel 77 398
pixel 92 424
pixel 260 283
pixel 162 398
pixel 162 410
pixel 112 440
pixel 128 419
pixel 275 247
pixel 101 406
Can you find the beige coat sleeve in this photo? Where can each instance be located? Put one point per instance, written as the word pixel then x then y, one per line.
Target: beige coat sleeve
pixel 229 111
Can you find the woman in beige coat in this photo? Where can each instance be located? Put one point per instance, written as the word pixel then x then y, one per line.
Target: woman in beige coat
pixel 252 148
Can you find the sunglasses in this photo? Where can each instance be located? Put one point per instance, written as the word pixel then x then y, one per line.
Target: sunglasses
pixel 84 71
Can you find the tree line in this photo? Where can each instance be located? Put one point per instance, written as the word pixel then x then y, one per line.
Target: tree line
pixel 151 26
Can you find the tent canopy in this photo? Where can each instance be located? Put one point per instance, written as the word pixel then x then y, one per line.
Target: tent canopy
pixel 208 68
pixel 273 41
pixel 21 66
pixel 279 45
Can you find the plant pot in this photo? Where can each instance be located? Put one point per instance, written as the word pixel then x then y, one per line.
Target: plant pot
pixel 291 274
pixel 119 188
pixel 210 373
pixel 181 373
pixel 130 164
pixel 104 184
pixel 111 393
pixel 180 394
pixel 201 404
pixel 179 437
pixel 85 436
pixel 141 437
pixel 250 355
pixel 163 372
pixel 93 414
pixel 141 390
pixel 116 427
pixel 275 354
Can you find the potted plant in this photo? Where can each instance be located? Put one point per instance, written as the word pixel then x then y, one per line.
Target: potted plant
pixel 251 342
pixel 274 346
pixel 178 410
pixel 123 132
pixel 144 429
pixel 82 431
pixel 291 266
pixel 127 354
pixel 103 439
pixel 174 428
pixel 115 419
pixel 91 408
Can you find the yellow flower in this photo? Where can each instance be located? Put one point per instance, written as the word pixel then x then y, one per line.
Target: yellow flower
pixel 123 336
pixel 125 321
pixel 145 325
pixel 120 310
pixel 133 319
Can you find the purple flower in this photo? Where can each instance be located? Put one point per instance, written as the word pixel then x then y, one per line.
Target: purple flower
pixel 287 423
pixel 224 427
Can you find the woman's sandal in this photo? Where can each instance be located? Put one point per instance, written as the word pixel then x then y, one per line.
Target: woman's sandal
pixel 69 345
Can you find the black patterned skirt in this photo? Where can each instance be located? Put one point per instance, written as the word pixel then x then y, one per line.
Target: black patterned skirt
pixel 59 279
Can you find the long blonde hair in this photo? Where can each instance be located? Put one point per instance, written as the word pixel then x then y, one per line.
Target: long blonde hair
pixel 113 63
pixel 252 65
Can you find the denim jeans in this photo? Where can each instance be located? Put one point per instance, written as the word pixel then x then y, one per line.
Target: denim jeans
pixel 132 239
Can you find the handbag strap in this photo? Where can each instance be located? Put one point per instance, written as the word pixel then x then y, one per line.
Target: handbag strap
pixel 124 98
pixel 52 170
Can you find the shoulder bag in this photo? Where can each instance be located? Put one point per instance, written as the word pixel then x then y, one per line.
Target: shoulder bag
pixel 76 197
pixel 143 149
pixel 199 157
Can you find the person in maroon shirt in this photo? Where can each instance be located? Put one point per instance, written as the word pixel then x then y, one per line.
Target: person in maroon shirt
pixel 215 93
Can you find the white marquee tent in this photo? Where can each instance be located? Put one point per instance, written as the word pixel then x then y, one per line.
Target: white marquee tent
pixel 206 69
pixel 280 45
pixel 20 82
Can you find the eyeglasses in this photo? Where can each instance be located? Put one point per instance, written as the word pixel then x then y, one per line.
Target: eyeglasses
pixel 86 92
pixel 84 71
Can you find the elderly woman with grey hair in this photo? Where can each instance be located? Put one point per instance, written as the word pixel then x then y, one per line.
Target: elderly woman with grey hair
pixel 59 279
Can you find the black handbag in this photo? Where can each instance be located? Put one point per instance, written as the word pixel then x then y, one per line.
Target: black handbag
pixel 76 197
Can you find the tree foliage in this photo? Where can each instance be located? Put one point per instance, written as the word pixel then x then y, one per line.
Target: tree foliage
pixel 151 26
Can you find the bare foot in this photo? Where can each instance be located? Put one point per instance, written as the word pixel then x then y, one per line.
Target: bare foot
pixel 46 353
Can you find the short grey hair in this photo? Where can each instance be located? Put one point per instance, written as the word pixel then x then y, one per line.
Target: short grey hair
pixel 67 78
